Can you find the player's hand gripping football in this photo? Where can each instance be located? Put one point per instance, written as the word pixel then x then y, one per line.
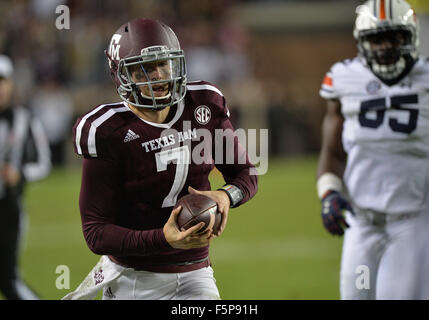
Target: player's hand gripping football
pixel 333 205
pixel 223 204
pixel 185 239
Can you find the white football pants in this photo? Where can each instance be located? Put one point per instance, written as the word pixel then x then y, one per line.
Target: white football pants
pixel 122 283
pixel 383 256
pixel 423 289
pixel 144 285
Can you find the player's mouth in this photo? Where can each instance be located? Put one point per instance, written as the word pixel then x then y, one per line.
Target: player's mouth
pixel 160 90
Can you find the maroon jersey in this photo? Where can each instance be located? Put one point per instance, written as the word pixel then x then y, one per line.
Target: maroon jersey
pixel 134 171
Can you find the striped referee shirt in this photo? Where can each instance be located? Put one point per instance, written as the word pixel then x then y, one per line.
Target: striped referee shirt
pixel 24 146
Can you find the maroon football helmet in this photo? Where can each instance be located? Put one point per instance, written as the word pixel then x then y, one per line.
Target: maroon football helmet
pixel 138 45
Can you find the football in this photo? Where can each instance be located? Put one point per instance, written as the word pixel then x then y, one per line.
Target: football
pixel 198 208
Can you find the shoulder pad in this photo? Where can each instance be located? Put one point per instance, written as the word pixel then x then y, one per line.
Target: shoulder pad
pixel 91 130
pixel 205 93
pixel 339 70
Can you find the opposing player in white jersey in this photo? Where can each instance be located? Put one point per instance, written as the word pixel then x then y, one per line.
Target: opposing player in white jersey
pixel 374 160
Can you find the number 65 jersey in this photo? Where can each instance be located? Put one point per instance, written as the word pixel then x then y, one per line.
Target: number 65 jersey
pixel 385 134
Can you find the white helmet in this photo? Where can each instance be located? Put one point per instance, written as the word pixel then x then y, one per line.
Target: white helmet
pixel 376 17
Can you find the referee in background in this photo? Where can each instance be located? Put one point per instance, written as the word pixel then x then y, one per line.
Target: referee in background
pixel 24 156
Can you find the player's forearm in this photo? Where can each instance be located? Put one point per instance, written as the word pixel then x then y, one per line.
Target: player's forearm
pixel 111 239
pixel 239 172
pixel 241 175
pixel 330 170
pixel 332 155
pixel 330 162
pixel 248 184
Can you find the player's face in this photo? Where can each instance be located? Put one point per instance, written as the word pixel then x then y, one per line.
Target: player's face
pixel 153 71
pixel 6 88
pixel 386 46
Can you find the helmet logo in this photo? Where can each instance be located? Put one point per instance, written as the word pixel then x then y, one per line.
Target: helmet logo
pixel 202 114
pixel 115 46
pixel 153 49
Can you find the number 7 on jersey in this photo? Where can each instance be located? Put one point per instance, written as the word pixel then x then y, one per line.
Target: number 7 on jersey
pixel 181 156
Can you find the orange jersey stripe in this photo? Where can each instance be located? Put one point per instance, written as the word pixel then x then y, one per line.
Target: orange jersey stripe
pixel 327 80
pixel 382 10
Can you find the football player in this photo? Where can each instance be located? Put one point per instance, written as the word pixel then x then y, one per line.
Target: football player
pixel 24 157
pixel 373 162
pixel 138 160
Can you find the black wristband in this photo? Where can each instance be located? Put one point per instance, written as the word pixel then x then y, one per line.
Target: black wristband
pixel 234 193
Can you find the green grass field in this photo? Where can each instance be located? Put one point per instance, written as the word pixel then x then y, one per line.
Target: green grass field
pixel 274 247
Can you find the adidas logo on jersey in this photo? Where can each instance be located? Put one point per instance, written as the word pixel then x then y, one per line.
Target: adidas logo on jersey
pixel 131 136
